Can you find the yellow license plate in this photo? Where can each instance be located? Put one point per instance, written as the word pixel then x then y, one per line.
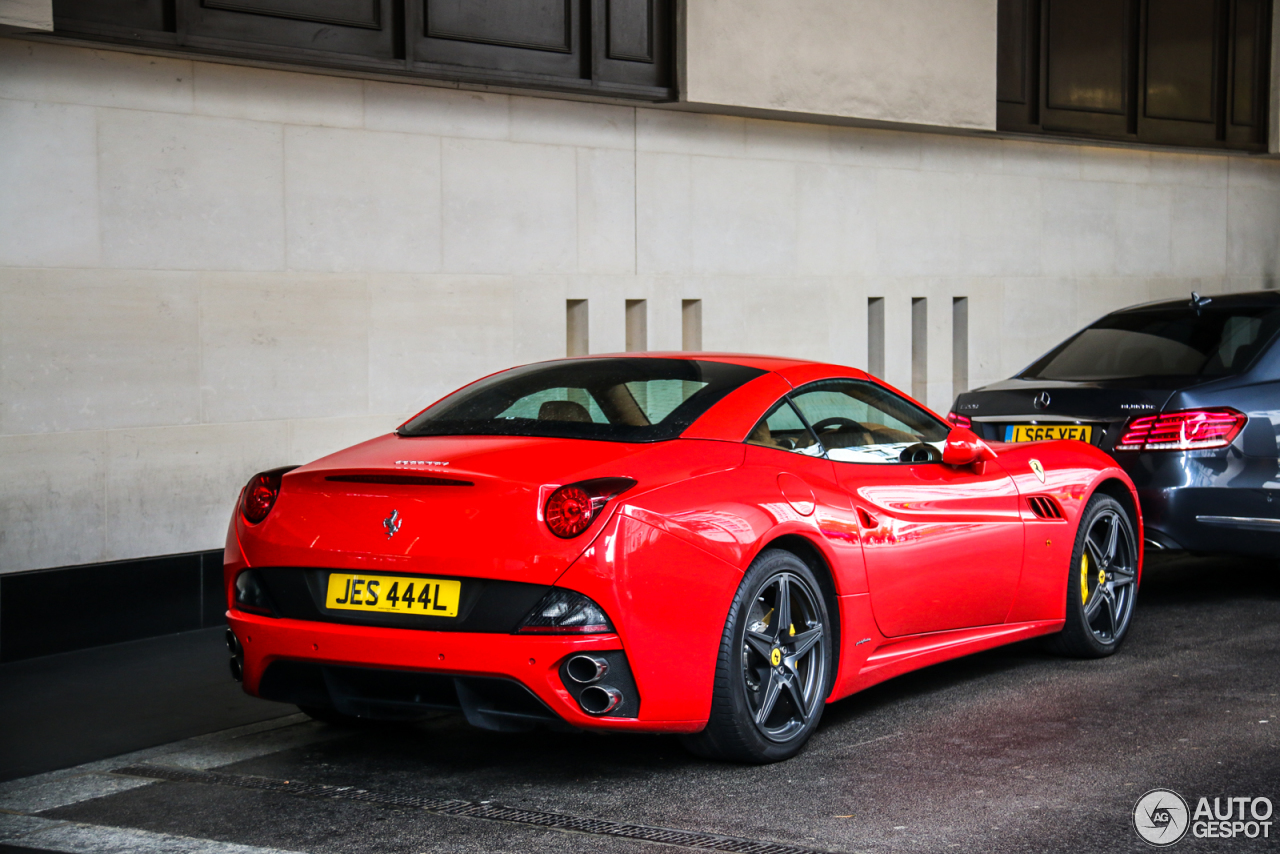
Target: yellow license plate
pixel 1040 432
pixel 394 594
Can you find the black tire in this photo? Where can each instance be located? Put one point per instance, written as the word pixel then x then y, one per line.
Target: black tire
pixel 1101 582
pixel 771 680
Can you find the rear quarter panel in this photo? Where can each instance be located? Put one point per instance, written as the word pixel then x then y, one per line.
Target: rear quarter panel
pixel 668 564
pixel 667 599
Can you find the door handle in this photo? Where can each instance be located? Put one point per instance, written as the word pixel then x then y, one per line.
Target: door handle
pixel 867 520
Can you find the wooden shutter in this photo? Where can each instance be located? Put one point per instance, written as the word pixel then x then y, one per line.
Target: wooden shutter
pixel 620 48
pixel 1181 71
pixel 353 31
pixel 1247 77
pixel 1018 65
pixel 1087 67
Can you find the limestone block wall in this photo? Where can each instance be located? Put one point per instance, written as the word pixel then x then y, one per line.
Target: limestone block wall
pixel 207 270
pixel 910 61
pixel 26 16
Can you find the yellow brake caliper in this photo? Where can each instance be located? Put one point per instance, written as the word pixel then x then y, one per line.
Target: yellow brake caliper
pixel 1084 579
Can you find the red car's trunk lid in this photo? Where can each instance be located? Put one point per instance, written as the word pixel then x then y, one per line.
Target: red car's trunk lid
pixel 452 506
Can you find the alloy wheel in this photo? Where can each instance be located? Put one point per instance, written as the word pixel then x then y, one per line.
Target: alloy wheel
pixel 783 657
pixel 1107 576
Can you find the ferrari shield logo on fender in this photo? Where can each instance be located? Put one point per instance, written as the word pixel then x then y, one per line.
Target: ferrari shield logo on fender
pixel 392 523
pixel 1038 469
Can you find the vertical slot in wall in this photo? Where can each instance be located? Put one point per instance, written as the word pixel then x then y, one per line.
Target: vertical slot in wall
pixel 875 336
pixel 637 326
pixel 576 341
pixel 920 349
pixel 691 324
pixel 959 345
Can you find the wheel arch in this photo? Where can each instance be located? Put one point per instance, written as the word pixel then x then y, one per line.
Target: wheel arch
pixel 1119 490
pixel 1122 492
pixel 803 548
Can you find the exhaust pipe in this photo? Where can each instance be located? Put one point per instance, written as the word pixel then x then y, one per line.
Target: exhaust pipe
pixel 586 669
pixel 237 656
pixel 600 699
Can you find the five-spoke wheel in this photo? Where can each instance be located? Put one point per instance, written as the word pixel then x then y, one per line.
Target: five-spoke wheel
pixel 783 656
pixel 1107 575
pixel 1102 584
pixel 773 673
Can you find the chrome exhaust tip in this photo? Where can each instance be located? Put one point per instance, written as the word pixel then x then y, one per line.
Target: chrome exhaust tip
pixel 237 669
pixel 586 669
pixel 233 643
pixel 600 699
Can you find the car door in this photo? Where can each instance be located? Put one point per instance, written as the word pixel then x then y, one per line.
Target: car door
pixel 942 545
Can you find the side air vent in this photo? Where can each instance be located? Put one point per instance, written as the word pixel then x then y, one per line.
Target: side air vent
pixel 399 479
pixel 1045 507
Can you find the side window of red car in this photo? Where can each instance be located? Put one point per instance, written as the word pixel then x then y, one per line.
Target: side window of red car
pixel 861 422
pixel 784 429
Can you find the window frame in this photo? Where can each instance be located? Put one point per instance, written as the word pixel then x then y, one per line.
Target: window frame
pixel 394 39
pixel 774 407
pixel 1241 60
pixel 789 399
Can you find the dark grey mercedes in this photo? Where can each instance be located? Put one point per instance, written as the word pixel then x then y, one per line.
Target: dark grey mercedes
pixel 1184 394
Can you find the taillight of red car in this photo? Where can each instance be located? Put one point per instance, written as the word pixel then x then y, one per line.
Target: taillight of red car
pixel 260 493
pixel 571 509
pixel 960 420
pixel 1184 430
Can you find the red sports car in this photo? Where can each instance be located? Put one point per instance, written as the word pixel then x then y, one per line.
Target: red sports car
pixel 696 543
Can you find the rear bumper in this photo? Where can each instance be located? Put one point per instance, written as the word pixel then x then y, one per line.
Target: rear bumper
pixel 1207 501
pixel 498 681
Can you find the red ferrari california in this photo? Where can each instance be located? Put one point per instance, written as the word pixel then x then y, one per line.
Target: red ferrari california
pixel 696 543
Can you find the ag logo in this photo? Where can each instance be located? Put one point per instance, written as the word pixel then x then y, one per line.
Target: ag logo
pixel 1038 469
pixel 1161 817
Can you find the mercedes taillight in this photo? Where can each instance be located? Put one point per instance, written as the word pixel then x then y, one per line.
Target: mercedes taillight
pixel 1184 430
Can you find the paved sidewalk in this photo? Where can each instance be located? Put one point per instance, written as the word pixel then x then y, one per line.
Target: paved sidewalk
pixel 62 710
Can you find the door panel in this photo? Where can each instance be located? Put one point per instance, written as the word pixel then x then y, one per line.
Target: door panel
pixel 942 546
pixel 1181 60
pixel 357 31
pixel 1181 36
pixel 539 25
pixel 351 13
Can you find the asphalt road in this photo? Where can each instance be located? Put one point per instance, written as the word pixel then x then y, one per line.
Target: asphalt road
pixel 1008 751
pixel 74 707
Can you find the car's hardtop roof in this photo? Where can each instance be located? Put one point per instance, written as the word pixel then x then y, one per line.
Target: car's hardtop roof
pixel 772 364
pixel 1249 299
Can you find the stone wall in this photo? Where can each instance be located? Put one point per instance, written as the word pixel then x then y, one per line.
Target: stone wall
pixel 26 16
pixel 910 61
pixel 207 270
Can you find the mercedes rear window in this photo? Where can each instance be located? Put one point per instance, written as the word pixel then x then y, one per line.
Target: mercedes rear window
pixel 614 399
pixel 1162 342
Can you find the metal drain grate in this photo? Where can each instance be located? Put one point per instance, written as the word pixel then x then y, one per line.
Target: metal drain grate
pixel 471 809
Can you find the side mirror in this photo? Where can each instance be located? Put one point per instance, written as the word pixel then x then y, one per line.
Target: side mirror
pixel 964 448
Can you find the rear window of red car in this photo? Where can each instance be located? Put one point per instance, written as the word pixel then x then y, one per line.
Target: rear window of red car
pixel 614 399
